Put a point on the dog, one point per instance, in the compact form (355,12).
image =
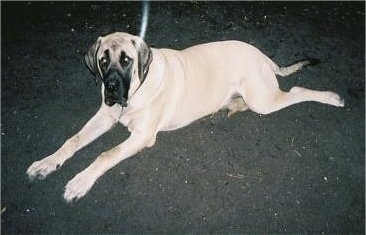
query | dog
(150,90)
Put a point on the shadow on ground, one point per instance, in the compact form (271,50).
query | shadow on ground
(300,170)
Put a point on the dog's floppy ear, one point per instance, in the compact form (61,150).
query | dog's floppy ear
(91,59)
(145,58)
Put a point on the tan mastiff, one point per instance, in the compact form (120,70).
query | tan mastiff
(150,90)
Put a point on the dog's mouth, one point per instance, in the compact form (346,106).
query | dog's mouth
(110,102)
(114,93)
(115,89)
(114,97)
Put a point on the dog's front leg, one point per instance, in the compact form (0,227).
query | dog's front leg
(101,122)
(82,182)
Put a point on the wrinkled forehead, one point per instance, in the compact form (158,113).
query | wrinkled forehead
(116,43)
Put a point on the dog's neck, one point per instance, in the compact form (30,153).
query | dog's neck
(150,88)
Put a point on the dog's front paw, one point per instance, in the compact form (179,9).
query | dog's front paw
(40,169)
(78,186)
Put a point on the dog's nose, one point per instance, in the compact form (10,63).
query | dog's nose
(112,85)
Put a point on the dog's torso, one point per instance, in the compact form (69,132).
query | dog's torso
(189,84)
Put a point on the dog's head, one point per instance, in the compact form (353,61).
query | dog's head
(121,61)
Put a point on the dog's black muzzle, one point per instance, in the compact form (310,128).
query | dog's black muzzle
(115,91)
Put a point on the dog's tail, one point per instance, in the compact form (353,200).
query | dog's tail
(296,66)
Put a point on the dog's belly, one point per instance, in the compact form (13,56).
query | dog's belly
(199,104)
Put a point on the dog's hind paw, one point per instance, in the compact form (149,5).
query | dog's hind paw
(335,99)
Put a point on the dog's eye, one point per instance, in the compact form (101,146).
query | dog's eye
(104,61)
(125,60)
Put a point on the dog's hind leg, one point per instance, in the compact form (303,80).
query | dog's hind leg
(295,95)
(300,94)
(262,94)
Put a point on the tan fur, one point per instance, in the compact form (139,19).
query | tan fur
(180,87)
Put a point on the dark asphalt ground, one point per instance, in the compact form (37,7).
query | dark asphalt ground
(300,170)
